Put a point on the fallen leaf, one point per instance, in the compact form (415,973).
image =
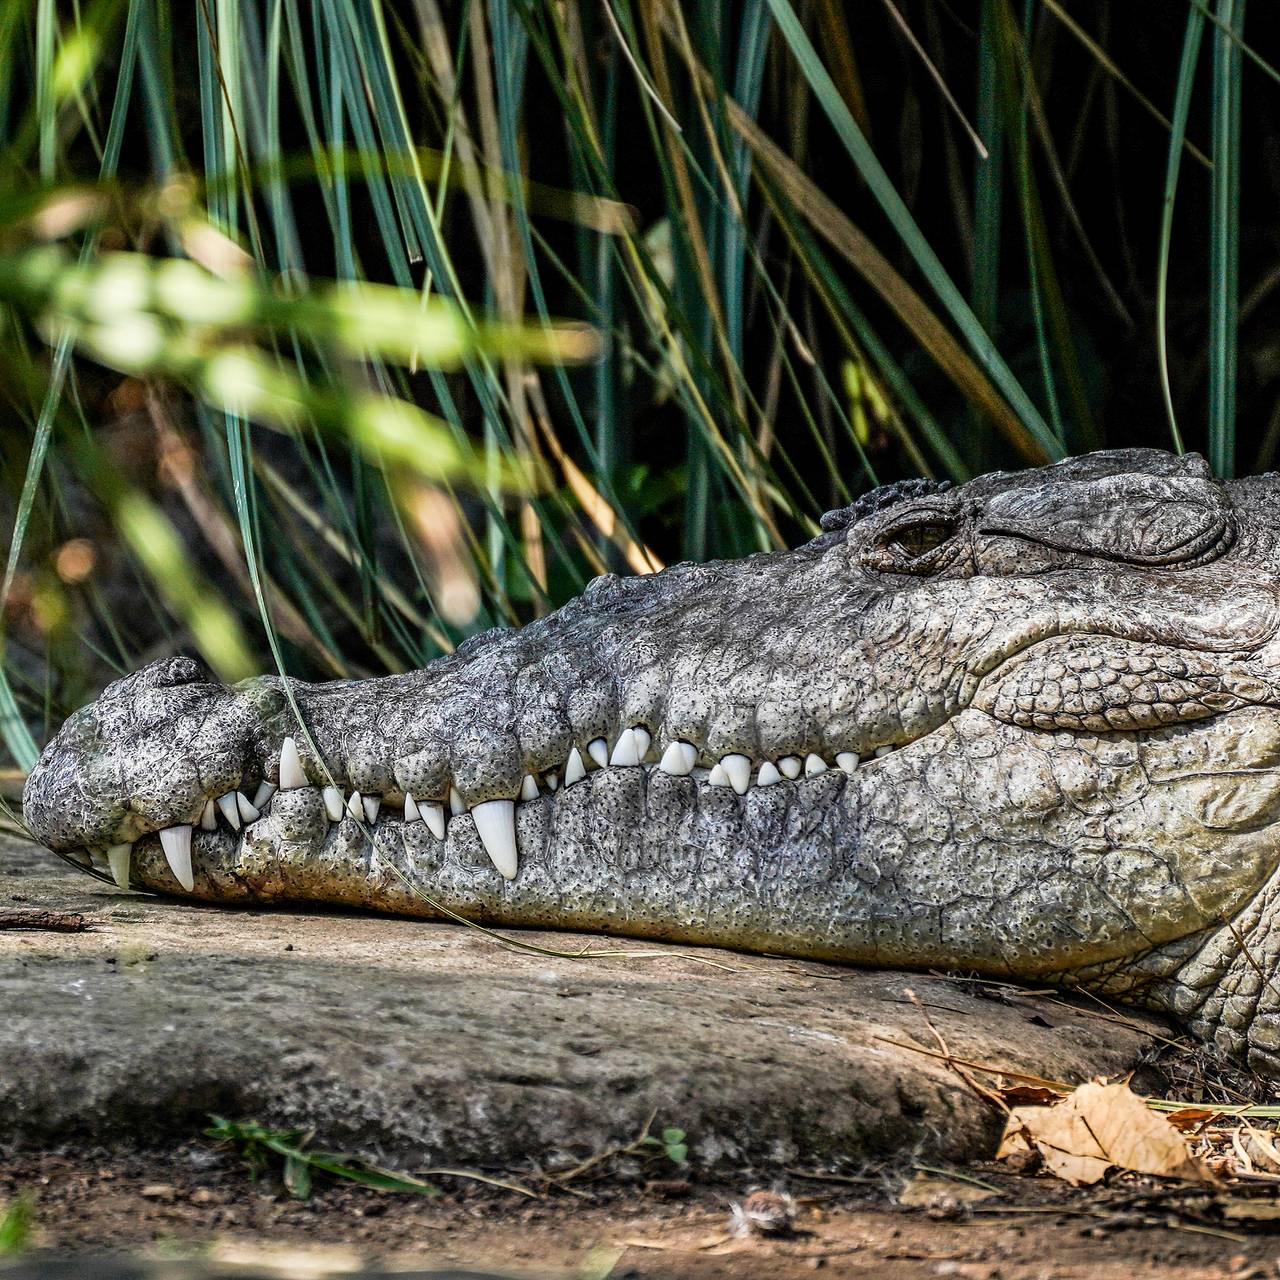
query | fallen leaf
(1261,1149)
(1030,1095)
(1096,1127)
(1187,1118)
(924,1192)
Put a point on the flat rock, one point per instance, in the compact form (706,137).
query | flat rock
(430,1043)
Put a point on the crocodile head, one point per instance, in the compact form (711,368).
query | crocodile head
(1028,726)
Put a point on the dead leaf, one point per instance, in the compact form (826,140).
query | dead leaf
(1098,1126)
(1030,1095)
(924,1192)
(1261,1148)
(1188,1118)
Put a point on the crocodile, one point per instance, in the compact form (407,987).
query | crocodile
(1027,727)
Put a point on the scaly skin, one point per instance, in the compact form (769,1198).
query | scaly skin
(1077,667)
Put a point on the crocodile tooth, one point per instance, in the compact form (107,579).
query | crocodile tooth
(737,768)
(248,812)
(457,805)
(768,774)
(264,793)
(847,760)
(230,810)
(496,822)
(814,765)
(176,843)
(598,750)
(644,739)
(790,766)
(433,816)
(574,769)
(334,805)
(371,806)
(118,856)
(529,787)
(355,808)
(291,775)
(678,759)
(717,777)
(626,751)
(552,780)
(209,816)
(881,752)
(411,811)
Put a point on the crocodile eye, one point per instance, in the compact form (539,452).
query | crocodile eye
(922,543)
(917,540)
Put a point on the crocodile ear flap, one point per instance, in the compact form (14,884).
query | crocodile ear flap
(1134,517)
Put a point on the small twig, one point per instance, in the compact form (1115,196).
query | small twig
(638,1143)
(956,1176)
(480,1177)
(990,1095)
(40,919)
(1248,955)
(850,1178)
(1023,1076)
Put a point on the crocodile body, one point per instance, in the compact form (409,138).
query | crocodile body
(1028,727)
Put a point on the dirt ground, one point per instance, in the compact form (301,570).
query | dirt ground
(194,1212)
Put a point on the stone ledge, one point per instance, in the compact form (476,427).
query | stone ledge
(428,1043)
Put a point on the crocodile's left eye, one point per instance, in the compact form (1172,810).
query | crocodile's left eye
(917,540)
(919,543)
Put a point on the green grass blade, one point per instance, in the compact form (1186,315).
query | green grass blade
(913,238)
(1177,136)
(1224,237)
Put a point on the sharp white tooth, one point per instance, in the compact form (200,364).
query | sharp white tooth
(433,816)
(264,793)
(371,806)
(118,860)
(291,775)
(626,751)
(717,777)
(209,816)
(737,768)
(768,774)
(248,812)
(552,780)
(882,751)
(411,811)
(354,808)
(574,769)
(847,760)
(790,766)
(457,805)
(598,750)
(814,765)
(334,805)
(677,760)
(496,822)
(644,739)
(529,788)
(176,843)
(230,810)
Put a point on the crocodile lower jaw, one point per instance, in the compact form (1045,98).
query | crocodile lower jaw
(495,820)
